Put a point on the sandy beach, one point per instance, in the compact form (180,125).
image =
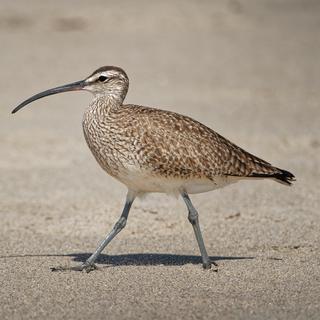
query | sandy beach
(249,70)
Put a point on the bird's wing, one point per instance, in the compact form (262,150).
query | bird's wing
(176,145)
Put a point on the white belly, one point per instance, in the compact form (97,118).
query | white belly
(143,182)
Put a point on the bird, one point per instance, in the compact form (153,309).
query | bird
(153,150)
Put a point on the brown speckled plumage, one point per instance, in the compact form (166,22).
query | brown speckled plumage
(163,143)
(152,150)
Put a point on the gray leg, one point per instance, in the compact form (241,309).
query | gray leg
(194,220)
(88,265)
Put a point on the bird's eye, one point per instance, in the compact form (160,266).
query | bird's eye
(102,78)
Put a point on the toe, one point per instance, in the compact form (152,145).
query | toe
(82,267)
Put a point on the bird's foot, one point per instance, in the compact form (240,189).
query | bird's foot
(208,265)
(82,267)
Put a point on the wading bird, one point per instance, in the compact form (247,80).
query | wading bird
(152,150)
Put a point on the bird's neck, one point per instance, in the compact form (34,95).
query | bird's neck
(103,104)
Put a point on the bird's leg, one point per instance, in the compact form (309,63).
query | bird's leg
(194,220)
(89,265)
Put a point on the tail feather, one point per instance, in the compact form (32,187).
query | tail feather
(285,177)
(281,176)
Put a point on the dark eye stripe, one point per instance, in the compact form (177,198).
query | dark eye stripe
(102,78)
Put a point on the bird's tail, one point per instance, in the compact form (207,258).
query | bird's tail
(284,177)
(279,175)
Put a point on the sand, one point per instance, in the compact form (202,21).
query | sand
(248,69)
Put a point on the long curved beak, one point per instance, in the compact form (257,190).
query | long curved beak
(74,86)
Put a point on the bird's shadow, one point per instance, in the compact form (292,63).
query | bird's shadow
(154,259)
(137,259)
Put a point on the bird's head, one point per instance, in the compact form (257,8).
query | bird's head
(108,81)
